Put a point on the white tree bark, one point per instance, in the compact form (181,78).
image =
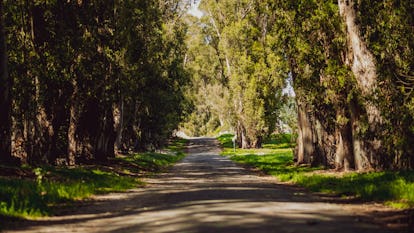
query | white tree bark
(363,65)
(213,22)
(360,59)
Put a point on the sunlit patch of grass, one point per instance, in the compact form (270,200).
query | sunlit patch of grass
(226,140)
(154,162)
(393,188)
(177,145)
(33,198)
(279,141)
(21,198)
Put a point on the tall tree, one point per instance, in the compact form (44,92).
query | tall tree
(335,52)
(102,55)
(239,31)
(363,65)
(5,96)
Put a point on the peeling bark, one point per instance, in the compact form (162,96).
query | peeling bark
(363,66)
(305,150)
(359,58)
(213,22)
(344,157)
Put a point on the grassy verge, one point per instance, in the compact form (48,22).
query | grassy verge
(393,188)
(29,192)
(153,162)
(34,197)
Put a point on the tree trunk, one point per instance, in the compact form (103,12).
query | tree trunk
(299,149)
(305,147)
(344,157)
(245,142)
(242,139)
(324,144)
(305,150)
(362,64)
(105,138)
(258,142)
(88,130)
(73,124)
(361,155)
(5,98)
(44,131)
(118,116)
(213,22)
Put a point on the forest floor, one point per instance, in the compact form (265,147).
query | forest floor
(206,192)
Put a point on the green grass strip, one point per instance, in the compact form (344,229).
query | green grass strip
(37,195)
(394,188)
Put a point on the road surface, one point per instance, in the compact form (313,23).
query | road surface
(206,192)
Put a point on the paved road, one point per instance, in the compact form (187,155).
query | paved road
(207,193)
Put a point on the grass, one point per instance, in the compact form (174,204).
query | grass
(155,162)
(42,189)
(394,188)
(35,197)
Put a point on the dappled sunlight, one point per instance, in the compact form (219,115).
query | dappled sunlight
(248,209)
(208,193)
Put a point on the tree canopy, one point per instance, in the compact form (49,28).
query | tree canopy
(89,76)
(81,80)
(350,63)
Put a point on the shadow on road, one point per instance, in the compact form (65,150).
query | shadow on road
(206,193)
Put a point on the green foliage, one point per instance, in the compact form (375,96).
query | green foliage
(279,141)
(288,115)
(387,28)
(233,53)
(209,97)
(75,63)
(226,140)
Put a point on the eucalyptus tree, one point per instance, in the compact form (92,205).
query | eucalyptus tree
(153,79)
(5,96)
(345,82)
(209,98)
(239,31)
(385,30)
(351,71)
(75,63)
